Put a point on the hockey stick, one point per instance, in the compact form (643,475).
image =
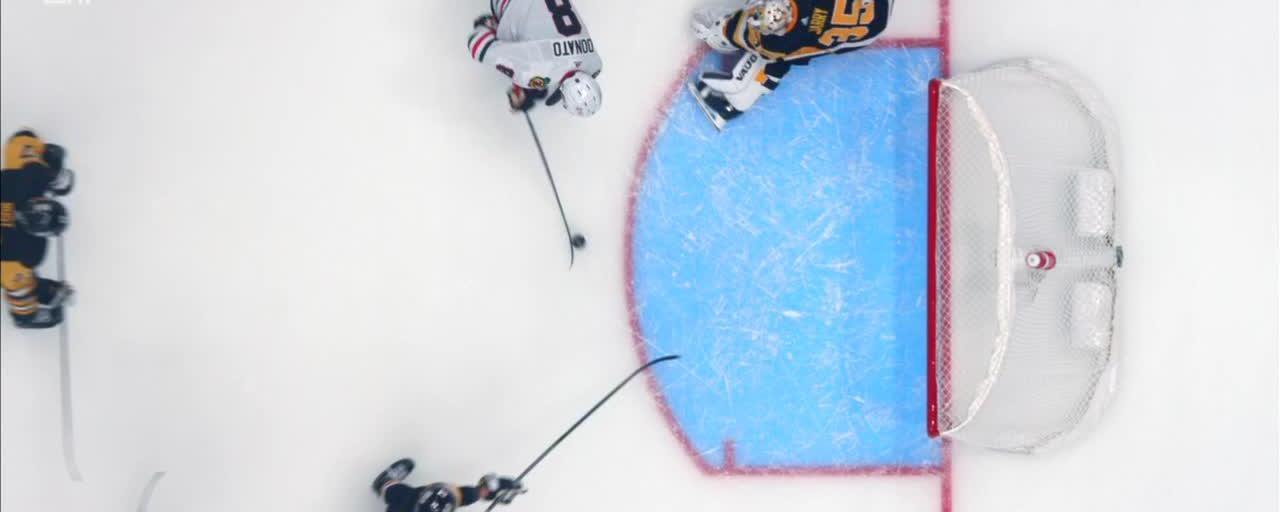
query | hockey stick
(584,417)
(64,363)
(575,241)
(145,500)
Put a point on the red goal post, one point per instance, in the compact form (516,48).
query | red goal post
(1024,255)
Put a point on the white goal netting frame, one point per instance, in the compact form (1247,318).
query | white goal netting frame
(1023,163)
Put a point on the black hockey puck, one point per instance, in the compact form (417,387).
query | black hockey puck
(578,241)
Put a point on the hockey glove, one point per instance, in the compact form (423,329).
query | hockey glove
(487,21)
(501,489)
(520,99)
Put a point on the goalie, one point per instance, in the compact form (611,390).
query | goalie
(775,35)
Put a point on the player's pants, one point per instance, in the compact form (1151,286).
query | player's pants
(20,286)
(432,498)
(402,498)
(774,72)
(30,296)
(437,497)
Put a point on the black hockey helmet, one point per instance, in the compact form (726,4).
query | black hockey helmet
(42,216)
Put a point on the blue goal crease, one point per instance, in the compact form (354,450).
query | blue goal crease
(785,259)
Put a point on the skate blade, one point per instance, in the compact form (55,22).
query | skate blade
(712,116)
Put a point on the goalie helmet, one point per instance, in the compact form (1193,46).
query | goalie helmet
(582,95)
(43,217)
(772,17)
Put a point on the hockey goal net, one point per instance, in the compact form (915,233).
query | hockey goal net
(1023,163)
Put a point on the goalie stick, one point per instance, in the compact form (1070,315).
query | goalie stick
(584,417)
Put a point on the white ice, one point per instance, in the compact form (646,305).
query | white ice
(308,240)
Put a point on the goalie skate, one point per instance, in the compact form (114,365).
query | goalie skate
(704,97)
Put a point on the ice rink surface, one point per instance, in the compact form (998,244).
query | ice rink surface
(308,239)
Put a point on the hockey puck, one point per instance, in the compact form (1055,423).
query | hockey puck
(578,241)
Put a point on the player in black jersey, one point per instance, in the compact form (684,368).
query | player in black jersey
(32,173)
(439,497)
(775,35)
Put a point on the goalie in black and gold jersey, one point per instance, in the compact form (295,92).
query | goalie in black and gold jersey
(775,35)
(32,173)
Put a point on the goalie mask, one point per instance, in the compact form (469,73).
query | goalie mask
(772,17)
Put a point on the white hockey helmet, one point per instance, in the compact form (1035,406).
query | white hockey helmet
(582,94)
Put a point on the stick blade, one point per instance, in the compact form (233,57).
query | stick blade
(658,361)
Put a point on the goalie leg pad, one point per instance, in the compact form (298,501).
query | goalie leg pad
(722,83)
(713,104)
(724,97)
(742,95)
(746,98)
(748,68)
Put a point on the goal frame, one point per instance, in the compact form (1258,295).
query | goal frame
(940,249)
(938,230)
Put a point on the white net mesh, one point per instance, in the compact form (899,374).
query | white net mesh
(1025,255)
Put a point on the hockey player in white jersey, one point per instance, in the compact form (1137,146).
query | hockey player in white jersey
(546,50)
